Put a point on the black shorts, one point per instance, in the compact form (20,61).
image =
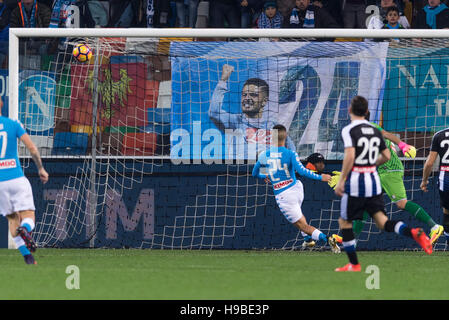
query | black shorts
(444,199)
(352,208)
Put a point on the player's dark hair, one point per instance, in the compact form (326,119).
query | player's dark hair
(393,8)
(315,158)
(281,132)
(262,84)
(367,115)
(359,106)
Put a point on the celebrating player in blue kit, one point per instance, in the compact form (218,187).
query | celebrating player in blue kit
(279,165)
(16,196)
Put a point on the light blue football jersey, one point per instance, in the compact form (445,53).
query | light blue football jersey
(10,131)
(279,165)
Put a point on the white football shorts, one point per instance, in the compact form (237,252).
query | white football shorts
(290,201)
(16,195)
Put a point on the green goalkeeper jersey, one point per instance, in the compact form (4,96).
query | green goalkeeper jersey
(394,164)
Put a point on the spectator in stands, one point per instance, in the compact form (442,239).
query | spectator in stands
(224,10)
(435,15)
(250,11)
(379,21)
(392,22)
(308,15)
(4,31)
(184,19)
(354,15)
(157,13)
(270,18)
(30,14)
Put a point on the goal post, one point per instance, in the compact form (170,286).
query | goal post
(197,191)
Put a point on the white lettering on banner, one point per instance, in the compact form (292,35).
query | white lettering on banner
(8,164)
(410,75)
(444,168)
(439,107)
(282,184)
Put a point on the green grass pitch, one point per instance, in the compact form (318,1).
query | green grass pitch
(221,275)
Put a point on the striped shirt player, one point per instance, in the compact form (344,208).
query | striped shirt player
(16,195)
(279,165)
(363,181)
(359,184)
(439,147)
(391,175)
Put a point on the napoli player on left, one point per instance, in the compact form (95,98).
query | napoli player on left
(279,165)
(16,195)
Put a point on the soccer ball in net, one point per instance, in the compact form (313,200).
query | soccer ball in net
(82,52)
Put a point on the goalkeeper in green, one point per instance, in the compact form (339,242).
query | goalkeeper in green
(391,176)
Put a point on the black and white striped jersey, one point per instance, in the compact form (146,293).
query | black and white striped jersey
(363,181)
(440,144)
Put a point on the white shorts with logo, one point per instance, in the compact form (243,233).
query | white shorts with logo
(15,195)
(290,201)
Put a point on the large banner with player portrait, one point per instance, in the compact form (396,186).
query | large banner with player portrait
(227,96)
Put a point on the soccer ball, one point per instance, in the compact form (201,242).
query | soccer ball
(82,52)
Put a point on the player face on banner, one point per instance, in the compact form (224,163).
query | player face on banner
(238,99)
(254,99)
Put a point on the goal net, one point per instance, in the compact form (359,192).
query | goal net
(152,142)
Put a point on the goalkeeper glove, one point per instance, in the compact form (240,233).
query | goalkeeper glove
(408,150)
(334,180)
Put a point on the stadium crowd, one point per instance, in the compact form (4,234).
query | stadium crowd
(228,13)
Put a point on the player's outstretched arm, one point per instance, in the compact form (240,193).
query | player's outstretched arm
(256,172)
(427,170)
(408,150)
(43,175)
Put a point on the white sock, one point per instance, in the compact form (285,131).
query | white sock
(316,234)
(29,222)
(18,241)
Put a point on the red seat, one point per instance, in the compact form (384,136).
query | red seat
(139,144)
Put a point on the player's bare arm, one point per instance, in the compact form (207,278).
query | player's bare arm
(348,162)
(326,177)
(428,169)
(43,175)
